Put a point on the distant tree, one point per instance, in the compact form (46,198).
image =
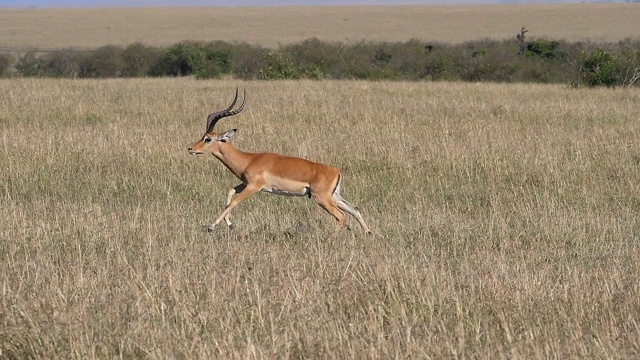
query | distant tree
(628,62)
(522,44)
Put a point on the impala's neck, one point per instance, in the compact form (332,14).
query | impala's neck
(235,160)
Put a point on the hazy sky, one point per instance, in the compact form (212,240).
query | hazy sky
(133,3)
(100,3)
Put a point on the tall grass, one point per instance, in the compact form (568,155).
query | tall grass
(505,220)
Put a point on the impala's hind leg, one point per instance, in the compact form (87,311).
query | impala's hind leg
(351,210)
(342,204)
(328,204)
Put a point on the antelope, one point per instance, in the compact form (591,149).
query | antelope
(272,173)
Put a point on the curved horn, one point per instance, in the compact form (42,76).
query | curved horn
(213,118)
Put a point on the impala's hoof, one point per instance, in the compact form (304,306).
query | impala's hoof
(231,226)
(210,229)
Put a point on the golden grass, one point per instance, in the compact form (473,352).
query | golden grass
(506,221)
(271,26)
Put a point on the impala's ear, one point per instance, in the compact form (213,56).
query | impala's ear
(227,135)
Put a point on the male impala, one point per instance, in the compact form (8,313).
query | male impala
(273,173)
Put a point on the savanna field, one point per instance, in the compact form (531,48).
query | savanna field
(505,221)
(505,216)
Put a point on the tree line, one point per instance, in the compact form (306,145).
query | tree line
(510,60)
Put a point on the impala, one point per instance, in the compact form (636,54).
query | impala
(273,173)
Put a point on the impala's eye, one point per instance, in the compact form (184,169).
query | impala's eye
(207,140)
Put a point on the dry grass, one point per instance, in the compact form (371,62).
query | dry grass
(270,26)
(506,221)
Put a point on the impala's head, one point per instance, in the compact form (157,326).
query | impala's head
(210,141)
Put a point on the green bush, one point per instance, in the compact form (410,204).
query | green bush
(246,61)
(178,60)
(313,58)
(31,65)
(544,49)
(408,60)
(62,63)
(216,60)
(204,61)
(359,62)
(6,61)
(104,62)
(440,63)
(598,69)
(279,66)
(139,59)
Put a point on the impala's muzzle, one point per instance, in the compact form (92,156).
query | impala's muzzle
(194,152)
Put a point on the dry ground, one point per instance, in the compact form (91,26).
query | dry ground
(271,26)
(506,221)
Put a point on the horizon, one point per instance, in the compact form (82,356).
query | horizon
(258,3)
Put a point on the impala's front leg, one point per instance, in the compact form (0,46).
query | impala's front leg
(233,191)
(246,192)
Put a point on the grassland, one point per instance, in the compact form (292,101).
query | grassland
(270,26)
(505,219)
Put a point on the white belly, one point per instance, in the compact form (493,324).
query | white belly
(302,192)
